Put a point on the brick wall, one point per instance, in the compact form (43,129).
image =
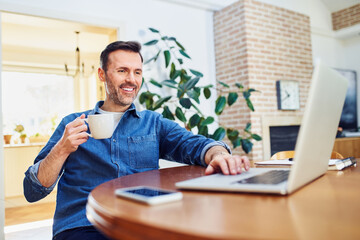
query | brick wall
(346,17)
(257,44)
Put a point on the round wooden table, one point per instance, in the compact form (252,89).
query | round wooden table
(328,208)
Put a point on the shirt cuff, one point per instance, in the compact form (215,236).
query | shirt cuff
(33,172)
(210,145)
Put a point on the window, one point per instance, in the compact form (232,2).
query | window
(37,101)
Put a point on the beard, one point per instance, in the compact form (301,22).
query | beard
(115,95)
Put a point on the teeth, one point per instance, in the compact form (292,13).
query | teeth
(128,89)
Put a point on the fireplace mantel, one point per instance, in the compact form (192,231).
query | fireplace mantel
(268,122)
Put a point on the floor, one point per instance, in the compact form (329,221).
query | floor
(30,222)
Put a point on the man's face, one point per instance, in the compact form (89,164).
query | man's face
(123,78)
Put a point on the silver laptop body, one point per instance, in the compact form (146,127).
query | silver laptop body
(313,146)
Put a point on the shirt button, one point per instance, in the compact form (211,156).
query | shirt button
(114,140)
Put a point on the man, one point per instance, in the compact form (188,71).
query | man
(79,163)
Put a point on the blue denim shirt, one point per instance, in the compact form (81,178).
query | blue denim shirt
(138,142)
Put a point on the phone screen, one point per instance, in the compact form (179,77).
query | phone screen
(148,192)
(149,195)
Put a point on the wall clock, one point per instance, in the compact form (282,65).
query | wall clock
(287,94)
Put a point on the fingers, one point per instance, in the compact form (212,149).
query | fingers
(228,164)
(75,134)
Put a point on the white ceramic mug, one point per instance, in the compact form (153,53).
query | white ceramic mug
(101,125)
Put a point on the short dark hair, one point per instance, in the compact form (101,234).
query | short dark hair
(131,46)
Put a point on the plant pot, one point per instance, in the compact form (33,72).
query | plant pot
(22,139)
(7,139)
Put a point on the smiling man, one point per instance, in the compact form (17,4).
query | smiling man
(79,163)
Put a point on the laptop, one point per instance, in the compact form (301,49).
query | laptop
(313,146)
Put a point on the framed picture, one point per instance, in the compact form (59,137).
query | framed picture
(348,120)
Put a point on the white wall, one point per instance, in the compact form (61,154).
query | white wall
(336,52)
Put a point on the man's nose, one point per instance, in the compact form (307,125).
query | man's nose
(130,77)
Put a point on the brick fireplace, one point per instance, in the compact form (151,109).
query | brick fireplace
(257,44)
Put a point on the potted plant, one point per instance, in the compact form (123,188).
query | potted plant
(184,106)
(7,138)
(20,129)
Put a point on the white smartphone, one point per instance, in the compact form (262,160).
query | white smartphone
(149,195)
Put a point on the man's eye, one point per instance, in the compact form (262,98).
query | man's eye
(121,70)
(138,73)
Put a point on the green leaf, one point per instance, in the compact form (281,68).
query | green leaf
(196,73)
(236,142)
(219,134)
(152,42)
(179,45)
(160,102)
(180,92)
(167,56)
(248,128)
(191,83)
(232,97)
(220,105)
(145,95)
(180,61)
(194,120)
(167,113)
(175,74)
(256,137)
(249,104)
(204,130)
(182,52)
(153,30)
(232,134)
(207,93)
(197,90)
(149,60)
(180,115)
(169,83)
(248,92)
(251,90)
(193,95)
(142,82)
(172,71)
(185,102)
(184,77)
(239,85)
(207,121)
(153,58)
(142,97)
(156,83)
(224,84)
(246,145)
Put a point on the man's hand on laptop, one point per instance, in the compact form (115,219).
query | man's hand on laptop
(219,160)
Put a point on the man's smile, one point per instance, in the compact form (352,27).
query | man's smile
(127,88)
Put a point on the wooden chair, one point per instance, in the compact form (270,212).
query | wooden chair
(290,154)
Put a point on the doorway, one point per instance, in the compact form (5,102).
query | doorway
(41,54)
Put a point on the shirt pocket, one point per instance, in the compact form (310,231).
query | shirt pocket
(144,151)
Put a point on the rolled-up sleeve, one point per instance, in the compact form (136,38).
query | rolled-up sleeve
(33,190)
(210,145)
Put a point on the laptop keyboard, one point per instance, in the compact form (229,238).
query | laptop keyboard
(270,177)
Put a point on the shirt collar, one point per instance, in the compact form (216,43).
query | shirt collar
(131,109)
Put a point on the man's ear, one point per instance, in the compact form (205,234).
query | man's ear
(101,74)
